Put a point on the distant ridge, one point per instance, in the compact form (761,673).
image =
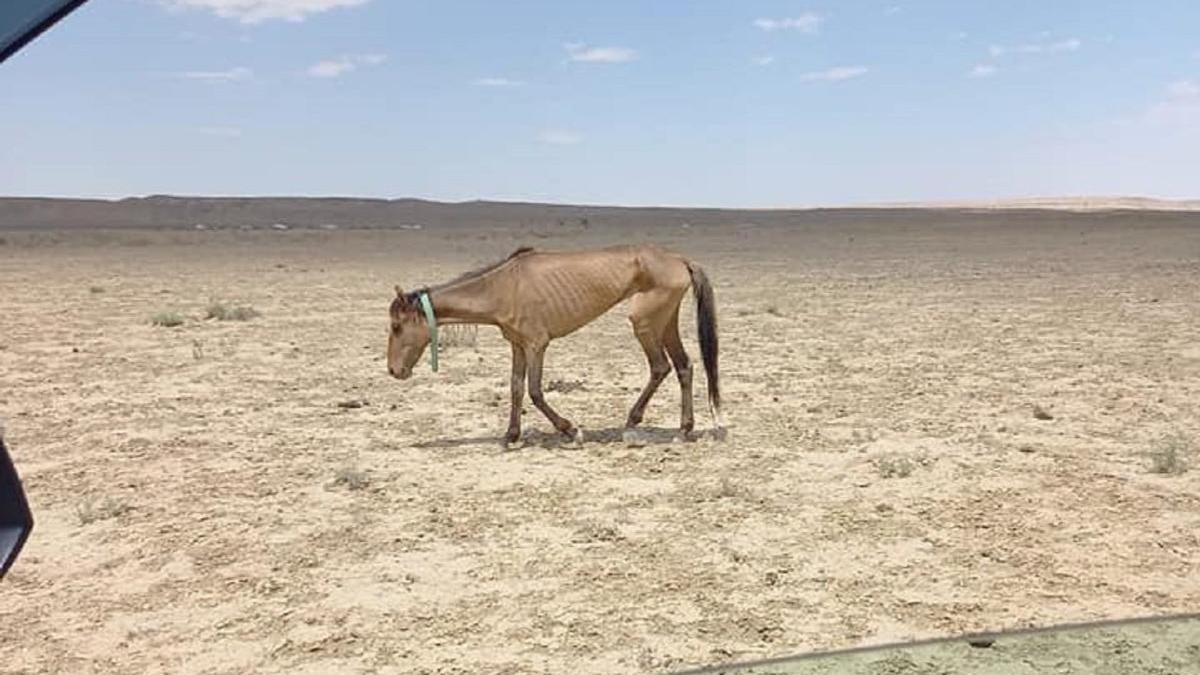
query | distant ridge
(1094,203)
(186,212)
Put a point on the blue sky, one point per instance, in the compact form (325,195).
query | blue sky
(704,103)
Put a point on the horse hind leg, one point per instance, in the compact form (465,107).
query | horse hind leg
(683,371)
(648,327)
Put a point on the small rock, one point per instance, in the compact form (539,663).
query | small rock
(352,403)
(1041,413)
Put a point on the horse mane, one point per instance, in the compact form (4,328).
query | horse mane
(410,302)
(473,274)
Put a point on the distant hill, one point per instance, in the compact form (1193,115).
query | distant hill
(1095,203)
(170,212)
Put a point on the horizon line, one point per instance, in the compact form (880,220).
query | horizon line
(1058,202)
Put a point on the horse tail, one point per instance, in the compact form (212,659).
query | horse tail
(706,328)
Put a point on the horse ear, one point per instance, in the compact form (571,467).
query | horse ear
(399,293)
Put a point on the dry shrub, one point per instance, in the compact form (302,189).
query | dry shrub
(894,466)
(167,319)
(459,335)
(223,312)
(564,386)
(1171,455)
(351,477)
(92,510)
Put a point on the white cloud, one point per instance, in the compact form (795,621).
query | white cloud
(257,11)
(235,74)
(1068,45)
(808,22)
(764,60)
(834,74)
(1183,89)
(983,70)
(344,64)
(560,137)
(331,67)
(577,51)
(221,132)
(1181,107)
(497,82)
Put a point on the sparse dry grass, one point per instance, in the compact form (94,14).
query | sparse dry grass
(564,386)
(592,532)
(167,319)
(455,336)
(93,510)
(223,312)
(1171,455)
(351,477)
(895,466)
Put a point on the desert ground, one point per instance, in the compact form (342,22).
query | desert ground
(935,427)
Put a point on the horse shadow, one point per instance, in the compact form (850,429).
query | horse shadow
(537,438)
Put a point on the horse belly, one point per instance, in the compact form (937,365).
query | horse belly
(586,298)
(568,323)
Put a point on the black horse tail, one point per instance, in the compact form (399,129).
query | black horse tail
(706,327)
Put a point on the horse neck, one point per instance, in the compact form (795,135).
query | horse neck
(467,301)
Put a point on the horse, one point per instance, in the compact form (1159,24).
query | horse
(535,296)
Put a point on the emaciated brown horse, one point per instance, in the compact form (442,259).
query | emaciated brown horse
(537,296)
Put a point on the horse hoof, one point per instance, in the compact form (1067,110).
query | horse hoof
(632,438)
(513,444)
(720,434)
(682,437)
(576,438)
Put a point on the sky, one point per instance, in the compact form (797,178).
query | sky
(689,103)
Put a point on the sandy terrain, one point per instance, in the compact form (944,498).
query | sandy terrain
(204,505)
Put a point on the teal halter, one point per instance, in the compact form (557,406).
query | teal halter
(427,307)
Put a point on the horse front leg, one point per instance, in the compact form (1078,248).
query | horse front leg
(517,395)
(535,357)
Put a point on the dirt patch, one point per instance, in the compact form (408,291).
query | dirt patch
(884,477)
